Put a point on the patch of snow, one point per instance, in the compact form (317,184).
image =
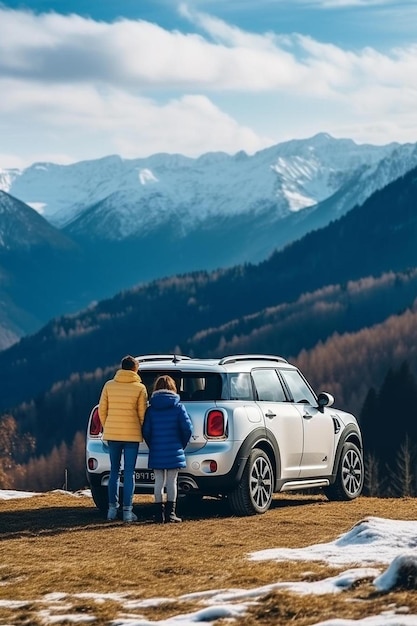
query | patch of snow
(297,201)
(39,207)
(373,540)
(13,604)
(147,176)
(12,494)
(80,493)
(384,619)
(73,618)
(388,579)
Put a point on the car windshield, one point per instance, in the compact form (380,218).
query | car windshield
(298,387)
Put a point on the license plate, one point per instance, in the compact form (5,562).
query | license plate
(144,476)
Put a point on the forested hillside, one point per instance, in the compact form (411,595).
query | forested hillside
(372,372)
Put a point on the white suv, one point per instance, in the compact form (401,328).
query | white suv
(259,428)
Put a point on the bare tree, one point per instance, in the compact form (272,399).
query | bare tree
(372,485)
(403,478)
(13,447)
(76,462)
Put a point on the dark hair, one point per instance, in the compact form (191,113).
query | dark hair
(129,363)
(165,382)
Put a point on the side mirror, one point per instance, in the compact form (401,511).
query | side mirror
(324,399)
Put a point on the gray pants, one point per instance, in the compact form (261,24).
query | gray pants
(165,478)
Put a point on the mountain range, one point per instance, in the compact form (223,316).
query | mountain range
(142,194)
(72,235)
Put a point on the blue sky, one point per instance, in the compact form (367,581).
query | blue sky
(81,80)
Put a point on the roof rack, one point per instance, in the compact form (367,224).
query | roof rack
(143,358)
(251,357)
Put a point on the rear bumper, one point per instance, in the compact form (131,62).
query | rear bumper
(229,456)
(187,483)
(195,478)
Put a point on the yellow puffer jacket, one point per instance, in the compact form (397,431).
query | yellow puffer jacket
(122,407)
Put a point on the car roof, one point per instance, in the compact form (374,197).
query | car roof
(233,363)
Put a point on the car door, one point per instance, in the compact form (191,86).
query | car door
(317,425)
(283,421)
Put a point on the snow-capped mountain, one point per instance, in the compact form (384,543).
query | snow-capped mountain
(74,234)
(114,198)
(39,269)
(22,228)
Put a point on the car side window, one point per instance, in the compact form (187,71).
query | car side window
(268,385)
(240,387)
(298,387)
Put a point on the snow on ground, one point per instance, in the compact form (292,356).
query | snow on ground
(10,494)
(373,540)
(379,548)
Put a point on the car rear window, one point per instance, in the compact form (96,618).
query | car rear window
(191,386)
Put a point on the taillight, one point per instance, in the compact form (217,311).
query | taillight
(92,464)
(215,424)
(95,424)
(213,466)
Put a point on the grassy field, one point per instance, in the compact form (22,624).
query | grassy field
(57,543)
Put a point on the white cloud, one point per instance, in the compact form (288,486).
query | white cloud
(341,4)
(115,121)
(137,56)
(75,88)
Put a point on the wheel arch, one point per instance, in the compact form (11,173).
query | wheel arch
(267,447)
(350,435)
(265,442)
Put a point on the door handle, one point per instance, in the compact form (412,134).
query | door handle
(270,414)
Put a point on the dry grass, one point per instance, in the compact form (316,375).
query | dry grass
(58,543)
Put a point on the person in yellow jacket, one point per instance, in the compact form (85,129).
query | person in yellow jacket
(122,407)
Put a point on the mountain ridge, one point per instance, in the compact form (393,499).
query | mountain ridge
(296,174)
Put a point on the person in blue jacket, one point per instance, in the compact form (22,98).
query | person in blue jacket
(167,429)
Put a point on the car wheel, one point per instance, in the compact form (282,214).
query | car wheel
(253,495)
(101,498)
(350,475)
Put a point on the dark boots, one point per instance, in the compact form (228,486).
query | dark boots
(166,513)
(170,515)
(160,512)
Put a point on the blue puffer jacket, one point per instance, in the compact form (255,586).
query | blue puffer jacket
(167,430)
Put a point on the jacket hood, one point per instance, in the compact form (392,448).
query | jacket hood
(127,376)
(164,399)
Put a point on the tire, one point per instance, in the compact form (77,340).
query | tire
(254,493)
(350,475)
(101,498)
